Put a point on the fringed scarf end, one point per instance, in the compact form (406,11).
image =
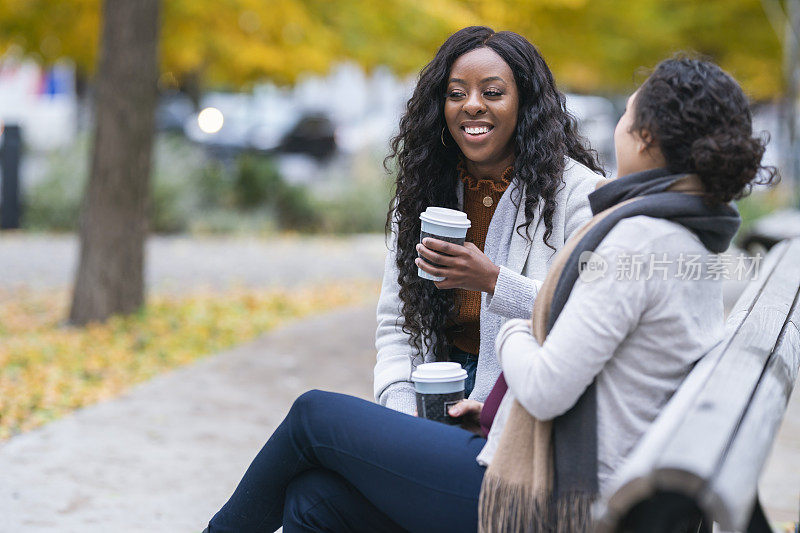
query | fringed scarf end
(505,507)
(574,513)
(514,508)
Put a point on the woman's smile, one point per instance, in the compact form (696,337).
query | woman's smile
(476,131)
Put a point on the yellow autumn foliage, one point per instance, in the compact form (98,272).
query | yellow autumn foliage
(591,46)
(48,369)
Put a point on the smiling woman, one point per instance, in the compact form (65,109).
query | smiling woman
(487,132)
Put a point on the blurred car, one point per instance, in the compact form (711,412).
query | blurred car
(314,134)
(228,123)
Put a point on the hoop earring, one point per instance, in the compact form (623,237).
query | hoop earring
(442,137)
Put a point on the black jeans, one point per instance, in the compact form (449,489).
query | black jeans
(339,463)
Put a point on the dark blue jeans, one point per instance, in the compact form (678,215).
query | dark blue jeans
(339,463)
(469,362)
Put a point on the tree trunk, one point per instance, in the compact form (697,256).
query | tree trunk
(113,226)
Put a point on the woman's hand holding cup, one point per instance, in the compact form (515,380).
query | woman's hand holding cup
(463,267)
(469,412)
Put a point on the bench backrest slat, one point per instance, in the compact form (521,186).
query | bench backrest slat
(731,493)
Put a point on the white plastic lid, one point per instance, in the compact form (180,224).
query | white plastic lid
(438,373)
(446,217)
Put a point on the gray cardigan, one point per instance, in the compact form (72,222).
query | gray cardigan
(523,264)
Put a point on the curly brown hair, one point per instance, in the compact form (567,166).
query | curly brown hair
(700,119)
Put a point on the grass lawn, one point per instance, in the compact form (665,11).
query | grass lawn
(48,369)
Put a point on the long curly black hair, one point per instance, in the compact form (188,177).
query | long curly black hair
(701,121)
(426,158)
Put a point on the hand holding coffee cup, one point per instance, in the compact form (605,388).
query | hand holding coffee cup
(439,386)
(443,224)
(446,259)
(468,413)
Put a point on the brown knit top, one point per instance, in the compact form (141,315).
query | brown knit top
(480,201)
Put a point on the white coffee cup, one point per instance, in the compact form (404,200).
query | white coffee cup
(444,224)
(438,386)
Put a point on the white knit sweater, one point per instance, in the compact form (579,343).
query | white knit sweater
(523,264)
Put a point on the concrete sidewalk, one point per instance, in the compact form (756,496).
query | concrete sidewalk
(181,264)
(165,456)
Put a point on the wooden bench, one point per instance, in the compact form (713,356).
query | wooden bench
(703,455)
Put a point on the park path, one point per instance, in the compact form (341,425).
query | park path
(167,454)
(185,264)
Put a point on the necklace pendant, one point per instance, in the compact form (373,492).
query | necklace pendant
(487,201)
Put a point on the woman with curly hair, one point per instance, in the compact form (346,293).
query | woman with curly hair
(486,131)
